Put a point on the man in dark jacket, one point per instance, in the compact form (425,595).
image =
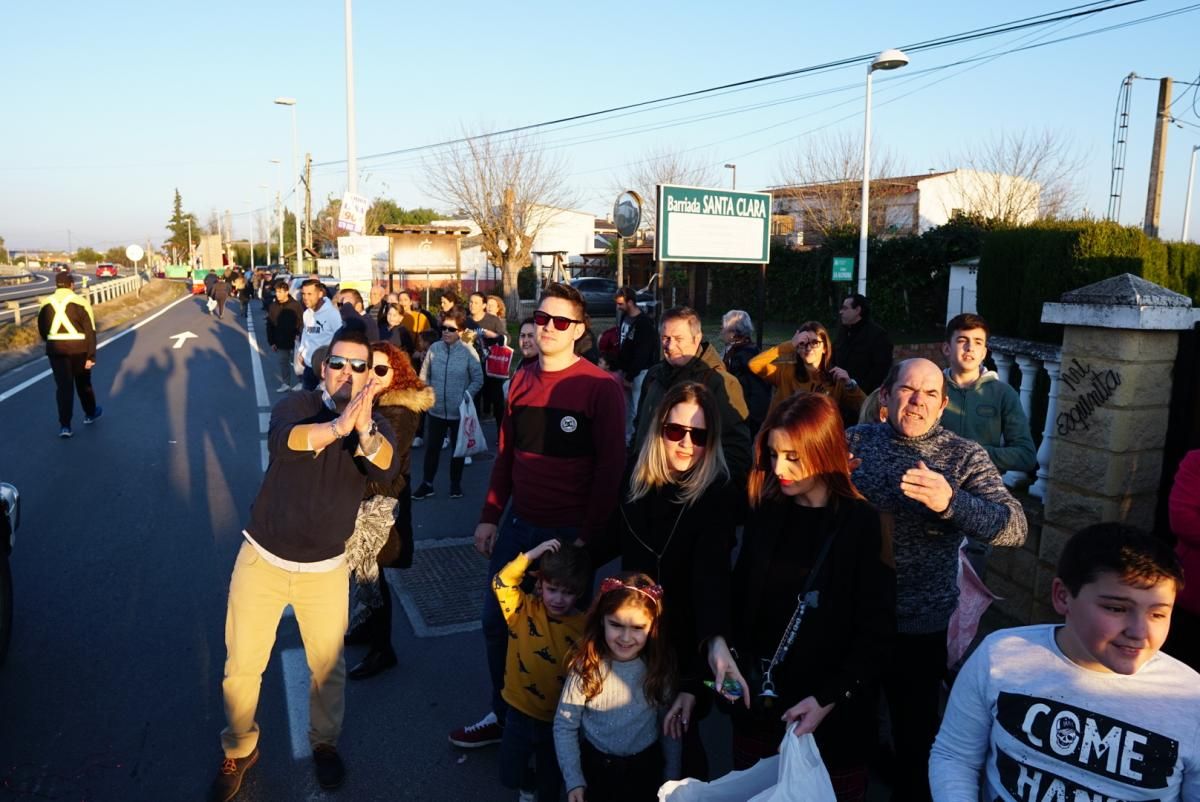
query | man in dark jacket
(354,312)
(638,351)
(687,358)
(862,348)
(66,324)
(324,446)
(285,320)
(220,294)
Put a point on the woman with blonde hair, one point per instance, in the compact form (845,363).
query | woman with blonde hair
(676,523)
(805,364)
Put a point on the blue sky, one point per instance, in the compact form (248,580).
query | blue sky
(108,111)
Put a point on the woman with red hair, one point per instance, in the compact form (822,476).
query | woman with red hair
(813,599)
(402,403)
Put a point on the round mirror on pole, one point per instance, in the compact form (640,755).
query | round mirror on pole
(627,213)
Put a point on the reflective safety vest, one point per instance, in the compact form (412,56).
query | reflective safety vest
(61,327)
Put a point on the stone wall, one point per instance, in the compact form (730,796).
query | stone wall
(1021,576)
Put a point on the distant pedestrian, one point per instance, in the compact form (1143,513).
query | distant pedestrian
(394,331)
(321,320)
(862,347)
(220,294)
(68,326)
(285,322)
(324,445)
(637,351)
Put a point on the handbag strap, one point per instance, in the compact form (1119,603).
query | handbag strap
(793,627)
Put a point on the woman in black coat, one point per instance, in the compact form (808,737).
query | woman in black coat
(805,513)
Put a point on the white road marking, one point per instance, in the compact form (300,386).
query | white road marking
(264,455)
(264,422)
(180,338)
(32,380)
(260,385)
(296,680)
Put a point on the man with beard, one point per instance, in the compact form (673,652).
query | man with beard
(324,446)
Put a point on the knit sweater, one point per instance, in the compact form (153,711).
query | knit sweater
(617,721)
(925,543)
(538,643)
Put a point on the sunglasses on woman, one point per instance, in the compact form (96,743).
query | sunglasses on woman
(381,370)
(675,432)
(340,362)
(540,319)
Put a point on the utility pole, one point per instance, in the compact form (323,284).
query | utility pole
(308,201)
(189,253)
(279,209)
(1158,158)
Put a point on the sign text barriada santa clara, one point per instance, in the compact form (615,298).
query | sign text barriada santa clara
(698,224)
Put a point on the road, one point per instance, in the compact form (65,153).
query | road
(27,294)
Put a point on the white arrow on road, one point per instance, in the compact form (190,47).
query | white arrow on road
(180,338)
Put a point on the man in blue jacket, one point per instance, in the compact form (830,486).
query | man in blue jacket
(324,446)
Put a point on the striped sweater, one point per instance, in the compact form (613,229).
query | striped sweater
(925,543)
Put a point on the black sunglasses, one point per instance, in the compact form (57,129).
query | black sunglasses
(540,319)
(340,362)
(675,432)
(381,370)
(450,328)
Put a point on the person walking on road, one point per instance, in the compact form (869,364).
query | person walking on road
(220,294)
(324,446)
(454,373)
(285,321)
(321,320)
(66,323)
(638,351)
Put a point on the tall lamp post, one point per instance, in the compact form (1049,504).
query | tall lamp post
(1187,206)
(734,168)
(267,231)
(351,151)
(887,60)
(291,101)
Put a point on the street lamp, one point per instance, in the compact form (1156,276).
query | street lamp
(887,60)
(278,206)
(291,101)
(267,231)
(1187,206)
(734,168)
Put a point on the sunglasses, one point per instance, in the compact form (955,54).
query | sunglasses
(382,370)
(808,345)
(340,362)
(675,432)
(540,319)
(452,329)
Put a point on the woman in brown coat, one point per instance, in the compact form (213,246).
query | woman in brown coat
(402,403)
(804,363)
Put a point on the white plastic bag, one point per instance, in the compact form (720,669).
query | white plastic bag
(796,774)
(470,435)
(802,774)
(736,786)
(212,304)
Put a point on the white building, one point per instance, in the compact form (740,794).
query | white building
(567,230)
(910,204)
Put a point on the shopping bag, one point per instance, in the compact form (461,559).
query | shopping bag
(499,358)
(802,774)
(736,786)
(212,304)
(973,600)
(470,435)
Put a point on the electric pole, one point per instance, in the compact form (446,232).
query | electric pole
(308,201)
(1158,158)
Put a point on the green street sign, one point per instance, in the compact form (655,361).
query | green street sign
(843,268)
(712,225)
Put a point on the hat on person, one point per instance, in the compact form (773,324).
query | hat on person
(64,280)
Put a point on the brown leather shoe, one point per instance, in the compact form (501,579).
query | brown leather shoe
(229,779)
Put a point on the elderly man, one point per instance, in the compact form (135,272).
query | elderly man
(932,489)
(687,358)
(324,446)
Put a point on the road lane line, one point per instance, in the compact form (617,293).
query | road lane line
(296,680)
(264,422)
(32,380)
(264,455)
(260,385)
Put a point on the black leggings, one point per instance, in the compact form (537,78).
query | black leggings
(610,778)
(438,428)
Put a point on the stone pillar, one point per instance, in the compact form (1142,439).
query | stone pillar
(1109,408)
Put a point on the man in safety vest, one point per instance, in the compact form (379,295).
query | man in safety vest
(66,323)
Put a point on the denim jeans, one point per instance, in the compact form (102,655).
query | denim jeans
(525,737)
(515,536)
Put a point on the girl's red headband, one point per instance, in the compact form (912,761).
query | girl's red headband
(655,592)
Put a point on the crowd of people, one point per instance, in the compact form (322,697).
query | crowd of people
(788,528)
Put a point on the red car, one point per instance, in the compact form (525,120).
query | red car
(106,269)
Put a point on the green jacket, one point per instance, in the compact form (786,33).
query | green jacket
(705,368)
(989,412)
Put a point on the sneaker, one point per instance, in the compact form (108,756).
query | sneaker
(526,796)
(94,416)
(466,461)
(456,492)
(330,771)
(422,492)
(298,386)
(64,432)
(485,732)
(418,442)
(283,388)
(445,442)
(229,778)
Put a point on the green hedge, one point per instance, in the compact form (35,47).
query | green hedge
(1022,268)
(908,279)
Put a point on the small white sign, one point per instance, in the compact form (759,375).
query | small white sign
(362,261)
(353,215)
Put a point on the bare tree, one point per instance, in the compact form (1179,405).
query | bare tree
(821,182)
(510,188)
(1019,177)
(664,165)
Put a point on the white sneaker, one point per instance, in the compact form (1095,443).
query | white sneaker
(526,796)
(298,386)
(445,442)
(283,388)
(418,442)
(467,461)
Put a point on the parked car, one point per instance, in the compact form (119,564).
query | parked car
(10,517)
(599,295)
(60,267)
(106,269)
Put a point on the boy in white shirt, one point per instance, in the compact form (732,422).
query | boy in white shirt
(1085,711)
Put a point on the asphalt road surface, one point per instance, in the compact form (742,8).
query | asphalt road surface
(111,689)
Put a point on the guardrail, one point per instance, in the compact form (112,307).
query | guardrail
(96,294)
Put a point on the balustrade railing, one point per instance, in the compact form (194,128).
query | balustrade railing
(1030,357)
